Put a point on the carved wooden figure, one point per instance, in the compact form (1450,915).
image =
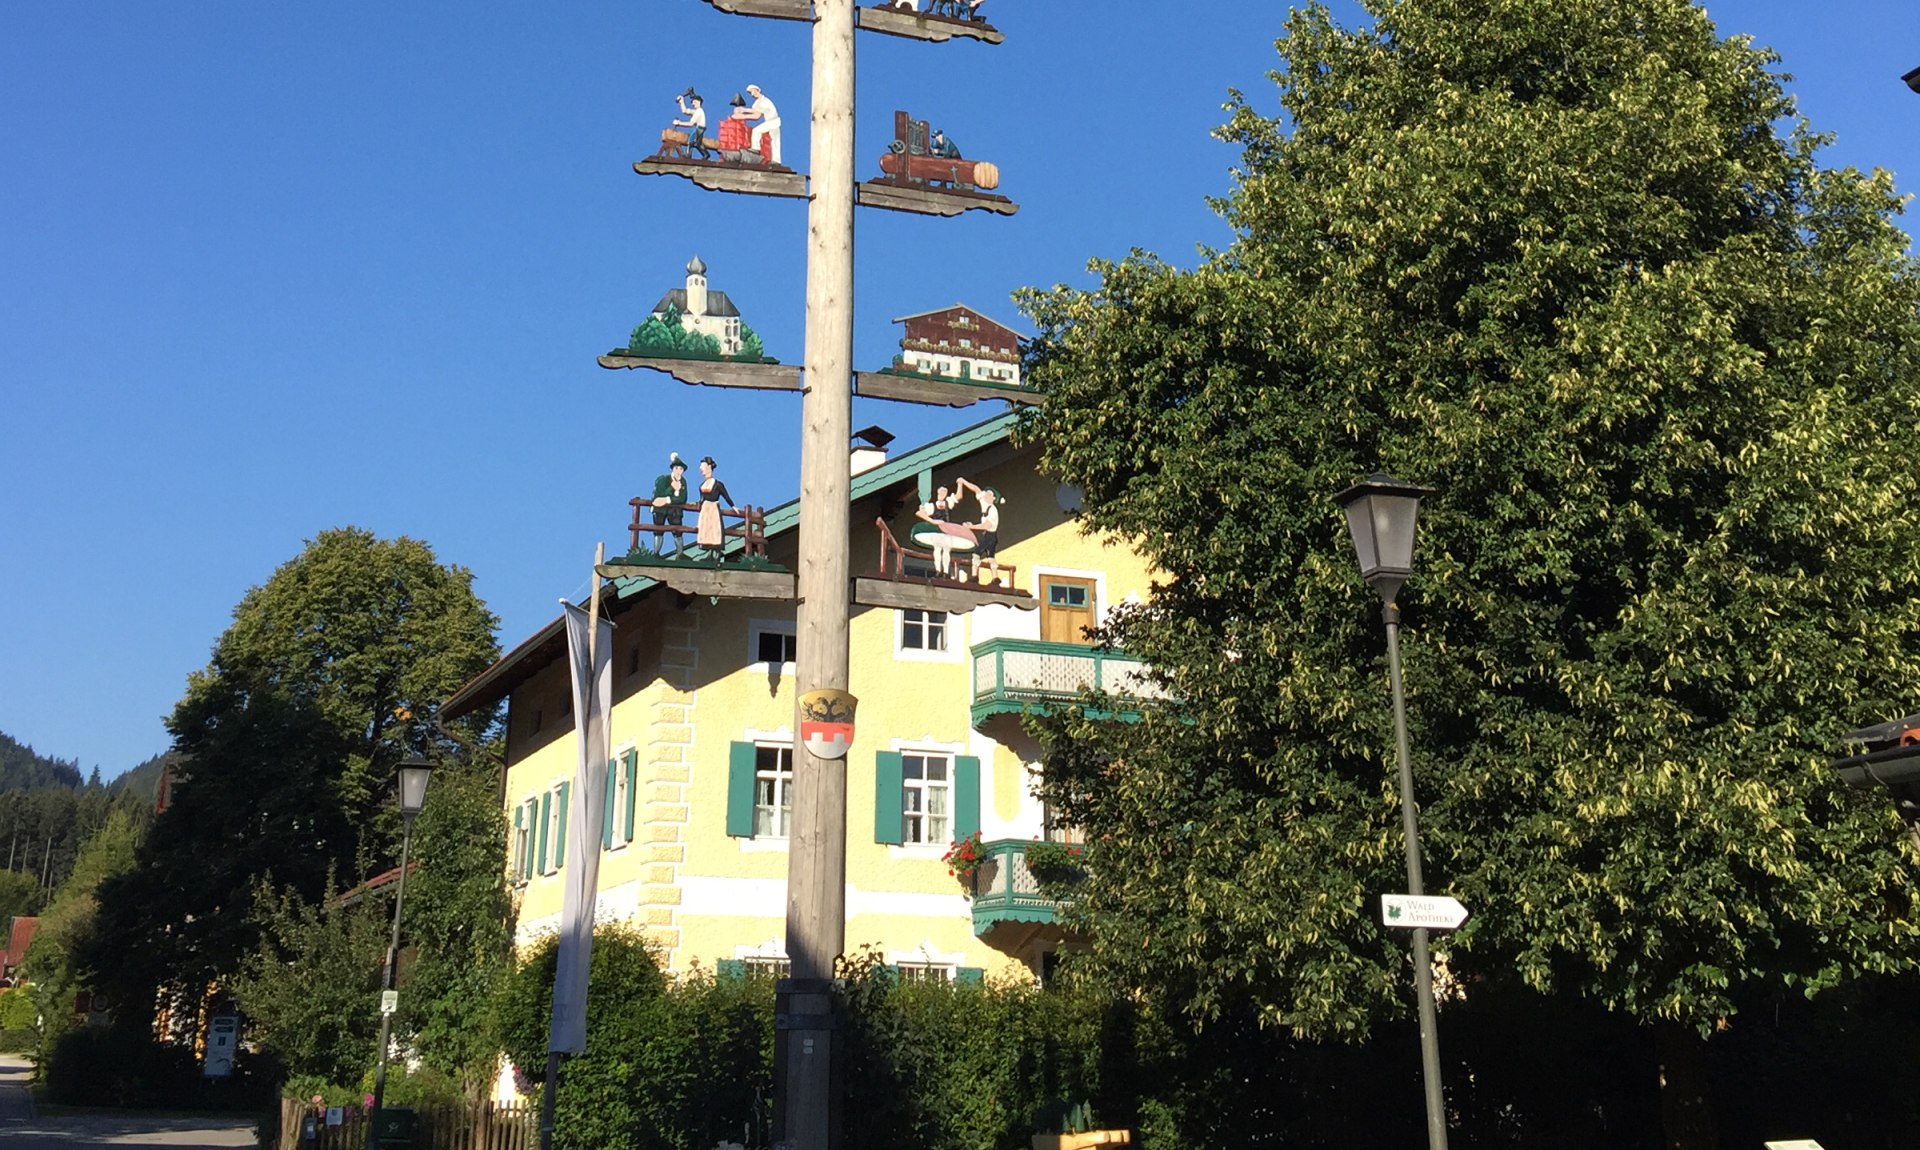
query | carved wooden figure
(951,356)
(697,335)
(732,149)
(930,19)
(923,171)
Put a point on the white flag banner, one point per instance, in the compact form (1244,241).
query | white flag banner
(586,807)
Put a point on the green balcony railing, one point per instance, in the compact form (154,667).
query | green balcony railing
(1004,890)
(1014,675)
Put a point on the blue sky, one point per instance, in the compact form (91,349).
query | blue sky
(267,269)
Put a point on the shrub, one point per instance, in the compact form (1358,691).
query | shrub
(17,1009)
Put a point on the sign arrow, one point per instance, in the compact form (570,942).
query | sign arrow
(1435,912)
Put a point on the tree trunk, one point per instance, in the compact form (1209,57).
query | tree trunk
(1686,1100)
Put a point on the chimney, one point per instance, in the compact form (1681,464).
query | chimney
(869,448)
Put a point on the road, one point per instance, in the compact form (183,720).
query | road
(22,1129)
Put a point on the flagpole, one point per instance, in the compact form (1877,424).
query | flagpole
(550,1086)
(593,605)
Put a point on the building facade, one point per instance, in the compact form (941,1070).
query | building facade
(959,343)
(694,851)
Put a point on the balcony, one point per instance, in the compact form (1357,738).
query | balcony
(1011,676)
(1007,902)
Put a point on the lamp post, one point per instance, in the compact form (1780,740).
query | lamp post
(1913,79)
(414,773)
(1381,513)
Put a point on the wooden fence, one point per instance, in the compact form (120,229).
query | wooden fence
(478,1126)
(752,529)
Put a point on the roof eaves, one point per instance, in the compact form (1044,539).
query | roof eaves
(962,307)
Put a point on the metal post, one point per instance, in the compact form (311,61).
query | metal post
(817,855)
(1422,961)
(387,981)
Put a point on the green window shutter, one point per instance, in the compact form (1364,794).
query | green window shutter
(606,811)
(889,780)
(560,848)
(533,837)
(893,973)
(740,790)
(546,815)
(970,975)
(633,773)
(966,797)
(731,967)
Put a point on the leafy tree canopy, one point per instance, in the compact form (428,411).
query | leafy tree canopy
(328,677)
(1576,266)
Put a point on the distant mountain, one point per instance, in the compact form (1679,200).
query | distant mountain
(141,780)
(23,768)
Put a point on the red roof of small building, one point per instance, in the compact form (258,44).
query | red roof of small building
(19,937)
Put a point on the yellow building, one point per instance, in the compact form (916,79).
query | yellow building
(694,850)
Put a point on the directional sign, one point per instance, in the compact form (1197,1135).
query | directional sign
(390,999)
(1430,911)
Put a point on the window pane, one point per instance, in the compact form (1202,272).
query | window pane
(912,766)
(774,647)
(937,769)
(936,800)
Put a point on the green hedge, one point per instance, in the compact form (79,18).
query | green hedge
(933,1065)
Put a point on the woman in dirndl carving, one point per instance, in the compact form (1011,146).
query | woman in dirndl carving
(707,530)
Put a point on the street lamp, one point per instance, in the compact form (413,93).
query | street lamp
(1891,762)
(1913,79)
(414,773)
(1381,513)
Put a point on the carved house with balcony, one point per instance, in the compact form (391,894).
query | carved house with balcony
(694,849)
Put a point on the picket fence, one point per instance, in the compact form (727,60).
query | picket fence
(478,1126)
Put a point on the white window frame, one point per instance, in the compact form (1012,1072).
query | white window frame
(762,966)
(920,970)
(553,827)
(622,834)
(759,627)
(953,633)
(780,789)
(926,788)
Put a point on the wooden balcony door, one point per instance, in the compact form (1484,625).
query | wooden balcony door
(1066,608)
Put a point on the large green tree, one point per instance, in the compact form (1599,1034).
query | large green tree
(1577,266)
(328,677)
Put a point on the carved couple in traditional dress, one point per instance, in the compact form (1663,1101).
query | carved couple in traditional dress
(670,497)
(938,532)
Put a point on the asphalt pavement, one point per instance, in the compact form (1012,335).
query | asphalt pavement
(21,1128)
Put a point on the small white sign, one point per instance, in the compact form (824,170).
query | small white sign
(223,1033)
(1796,1144)
(1435,912)
(389,1001)
(336,1116)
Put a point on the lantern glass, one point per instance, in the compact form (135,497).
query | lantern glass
(1382,513)
(414,774)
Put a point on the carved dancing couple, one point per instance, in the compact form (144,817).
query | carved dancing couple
(761,112)
(670,498)
(937,532)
